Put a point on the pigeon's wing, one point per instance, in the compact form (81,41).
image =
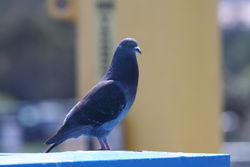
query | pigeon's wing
(103,103)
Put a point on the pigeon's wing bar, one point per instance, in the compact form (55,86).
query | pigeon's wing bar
(103,103)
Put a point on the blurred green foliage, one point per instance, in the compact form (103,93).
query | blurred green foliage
(36,52)
(236,51)
(236,59)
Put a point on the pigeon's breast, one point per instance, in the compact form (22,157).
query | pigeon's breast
(130,92)
(108,126)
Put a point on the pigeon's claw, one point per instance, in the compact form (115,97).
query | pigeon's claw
(104,144)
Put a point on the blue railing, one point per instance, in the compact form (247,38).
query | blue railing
(114,159)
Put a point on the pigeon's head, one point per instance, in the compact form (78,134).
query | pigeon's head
(130,45)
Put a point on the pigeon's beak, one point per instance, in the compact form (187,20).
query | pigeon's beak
(137,49)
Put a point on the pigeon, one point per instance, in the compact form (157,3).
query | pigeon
(107,103)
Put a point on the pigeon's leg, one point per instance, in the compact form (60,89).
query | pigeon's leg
(106,143)
(103,146)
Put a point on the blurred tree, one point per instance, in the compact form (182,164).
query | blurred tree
(236,52)
(36,52)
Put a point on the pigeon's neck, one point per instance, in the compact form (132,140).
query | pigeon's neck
(123,68)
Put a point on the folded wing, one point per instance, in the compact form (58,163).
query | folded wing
(102,104)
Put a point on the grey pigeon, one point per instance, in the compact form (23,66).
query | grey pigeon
(107,103)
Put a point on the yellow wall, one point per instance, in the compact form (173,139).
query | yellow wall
(179,98)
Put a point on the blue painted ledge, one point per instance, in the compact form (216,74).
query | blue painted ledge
(114,159)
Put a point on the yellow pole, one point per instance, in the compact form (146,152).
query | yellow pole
(87,71)
(179,97)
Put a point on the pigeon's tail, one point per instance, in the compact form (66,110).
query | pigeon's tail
(64,133)
(50,148)
(53,142)
(57,139)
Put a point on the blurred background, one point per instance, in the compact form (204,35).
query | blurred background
(194,89)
